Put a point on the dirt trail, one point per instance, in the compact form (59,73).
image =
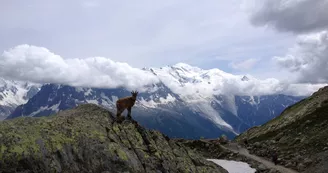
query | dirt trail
(243,151)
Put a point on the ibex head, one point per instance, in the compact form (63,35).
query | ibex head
(134,93)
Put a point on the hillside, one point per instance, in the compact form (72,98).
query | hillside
(299,134)
(86,139)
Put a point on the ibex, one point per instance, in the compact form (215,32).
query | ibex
(126,103)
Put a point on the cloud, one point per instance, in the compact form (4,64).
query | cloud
(194,83)
(39,65)
(142,33)
(270,86)
(308,58)
(303,89)
(297,16)
(245,65)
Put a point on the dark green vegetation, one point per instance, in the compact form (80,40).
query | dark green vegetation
(88,139)
(299,134)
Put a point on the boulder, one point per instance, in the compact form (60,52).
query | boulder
(223,139)
(300,167)
(262,167)
(307,161)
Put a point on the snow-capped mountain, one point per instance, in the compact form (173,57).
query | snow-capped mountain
(14,93)
(188,101)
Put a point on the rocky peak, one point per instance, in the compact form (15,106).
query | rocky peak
(245,78)
(87,138)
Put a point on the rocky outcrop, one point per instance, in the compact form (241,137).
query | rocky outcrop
(88,139)
(299,135)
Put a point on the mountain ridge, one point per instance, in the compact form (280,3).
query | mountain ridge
(176,113)
(197,98)
(298,135)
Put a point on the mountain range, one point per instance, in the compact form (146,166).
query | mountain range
(88,138)
(188,102)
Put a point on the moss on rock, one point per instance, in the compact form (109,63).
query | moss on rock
(87,138)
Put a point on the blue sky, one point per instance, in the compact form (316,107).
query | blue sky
(237,36)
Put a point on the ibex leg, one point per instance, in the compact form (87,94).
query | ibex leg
(129,112)
(119,110)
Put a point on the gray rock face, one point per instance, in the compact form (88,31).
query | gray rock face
(14,93)
(88,139)
(5,111)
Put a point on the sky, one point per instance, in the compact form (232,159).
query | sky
(282,39)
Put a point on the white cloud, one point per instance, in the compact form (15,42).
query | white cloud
(141,33)
(297,16)
(303,89)
(266,87)
(38,64)
(195,83)
(245,65)
(308,58)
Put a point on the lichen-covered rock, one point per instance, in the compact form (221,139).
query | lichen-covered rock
(224,139)
(88,139)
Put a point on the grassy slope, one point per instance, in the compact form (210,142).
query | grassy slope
(300,131)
